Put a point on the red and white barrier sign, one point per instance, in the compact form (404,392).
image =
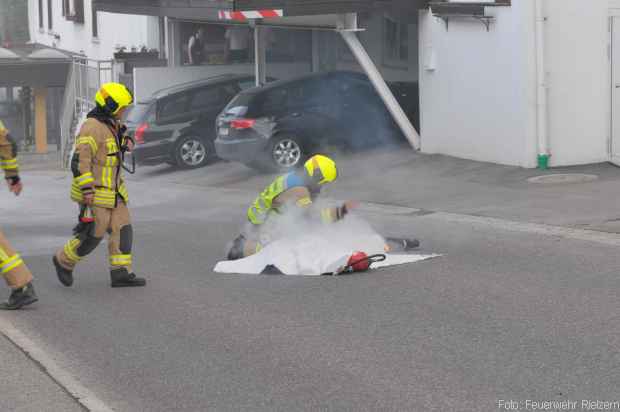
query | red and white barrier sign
(245,15)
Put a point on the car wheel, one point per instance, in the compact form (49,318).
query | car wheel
(192,152)
(286,152)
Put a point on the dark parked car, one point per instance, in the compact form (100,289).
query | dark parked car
(277,126)
(175,125)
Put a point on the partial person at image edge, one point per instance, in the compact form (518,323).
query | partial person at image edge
(12,267)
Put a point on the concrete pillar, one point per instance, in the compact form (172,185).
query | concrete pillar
(40,120)
(175,51)
(260,56)
(316,56)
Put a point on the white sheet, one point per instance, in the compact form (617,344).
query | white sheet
(315,255)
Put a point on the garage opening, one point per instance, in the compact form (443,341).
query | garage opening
(293,46)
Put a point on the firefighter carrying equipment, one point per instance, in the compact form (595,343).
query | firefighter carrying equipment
(97,166)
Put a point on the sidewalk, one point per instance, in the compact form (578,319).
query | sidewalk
(441,183)
(39,161)
(444,184)
(26,387)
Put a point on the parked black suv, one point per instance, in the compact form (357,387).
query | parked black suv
(277,126)
(175,125)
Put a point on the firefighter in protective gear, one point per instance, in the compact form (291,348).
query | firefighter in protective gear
(298,190)
(98,187)
(12,267)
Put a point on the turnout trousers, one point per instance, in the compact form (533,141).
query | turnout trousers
(116,223)
(12,267)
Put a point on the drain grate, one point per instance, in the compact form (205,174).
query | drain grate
(565,178)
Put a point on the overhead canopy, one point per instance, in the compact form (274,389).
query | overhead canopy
(305,7)
(180,9)
(33,65)
(209,9)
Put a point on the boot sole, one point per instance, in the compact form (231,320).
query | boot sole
(5,306)
(124,285)
(59,269)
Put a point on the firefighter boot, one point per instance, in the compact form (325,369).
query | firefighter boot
(20,297)
(65,276)
(122,278)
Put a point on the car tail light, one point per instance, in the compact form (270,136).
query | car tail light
(241,124)
(139,136)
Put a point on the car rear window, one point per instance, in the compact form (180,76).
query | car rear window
(171,107)
(238,106)
(205,98)
(137,112)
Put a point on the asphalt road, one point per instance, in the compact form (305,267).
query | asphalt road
(502,315)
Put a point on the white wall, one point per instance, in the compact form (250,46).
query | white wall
(477,100)
(579,88)
(150,79)
(113,30)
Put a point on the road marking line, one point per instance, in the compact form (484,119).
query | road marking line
(83,396)
(611,239)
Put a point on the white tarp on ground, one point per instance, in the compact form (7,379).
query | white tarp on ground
(316,254)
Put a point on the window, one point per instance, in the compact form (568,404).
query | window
(247,84)
(172,107)
(307,93)
(94,22)
(228,91)
(344,52)
(74,10)
(49,15)
(41,14)
(204,99)
(395,42)
(273,102)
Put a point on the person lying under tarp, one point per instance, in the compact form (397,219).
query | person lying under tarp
(291,194)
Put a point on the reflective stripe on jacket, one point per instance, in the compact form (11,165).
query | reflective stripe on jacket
(257,213)
(287,190)
(8,153)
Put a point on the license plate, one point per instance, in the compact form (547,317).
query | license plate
(223,131)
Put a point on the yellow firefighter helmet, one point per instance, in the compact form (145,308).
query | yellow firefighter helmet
(113,97)
(321,168)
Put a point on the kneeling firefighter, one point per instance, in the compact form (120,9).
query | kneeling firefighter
(98,187)
(12,267)
(298,189)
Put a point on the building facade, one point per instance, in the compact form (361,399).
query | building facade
(516,82)
(76,26)
(539,82)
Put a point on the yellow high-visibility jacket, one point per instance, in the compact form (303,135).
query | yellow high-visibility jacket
(286,191)
(96,165)
(8,153)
